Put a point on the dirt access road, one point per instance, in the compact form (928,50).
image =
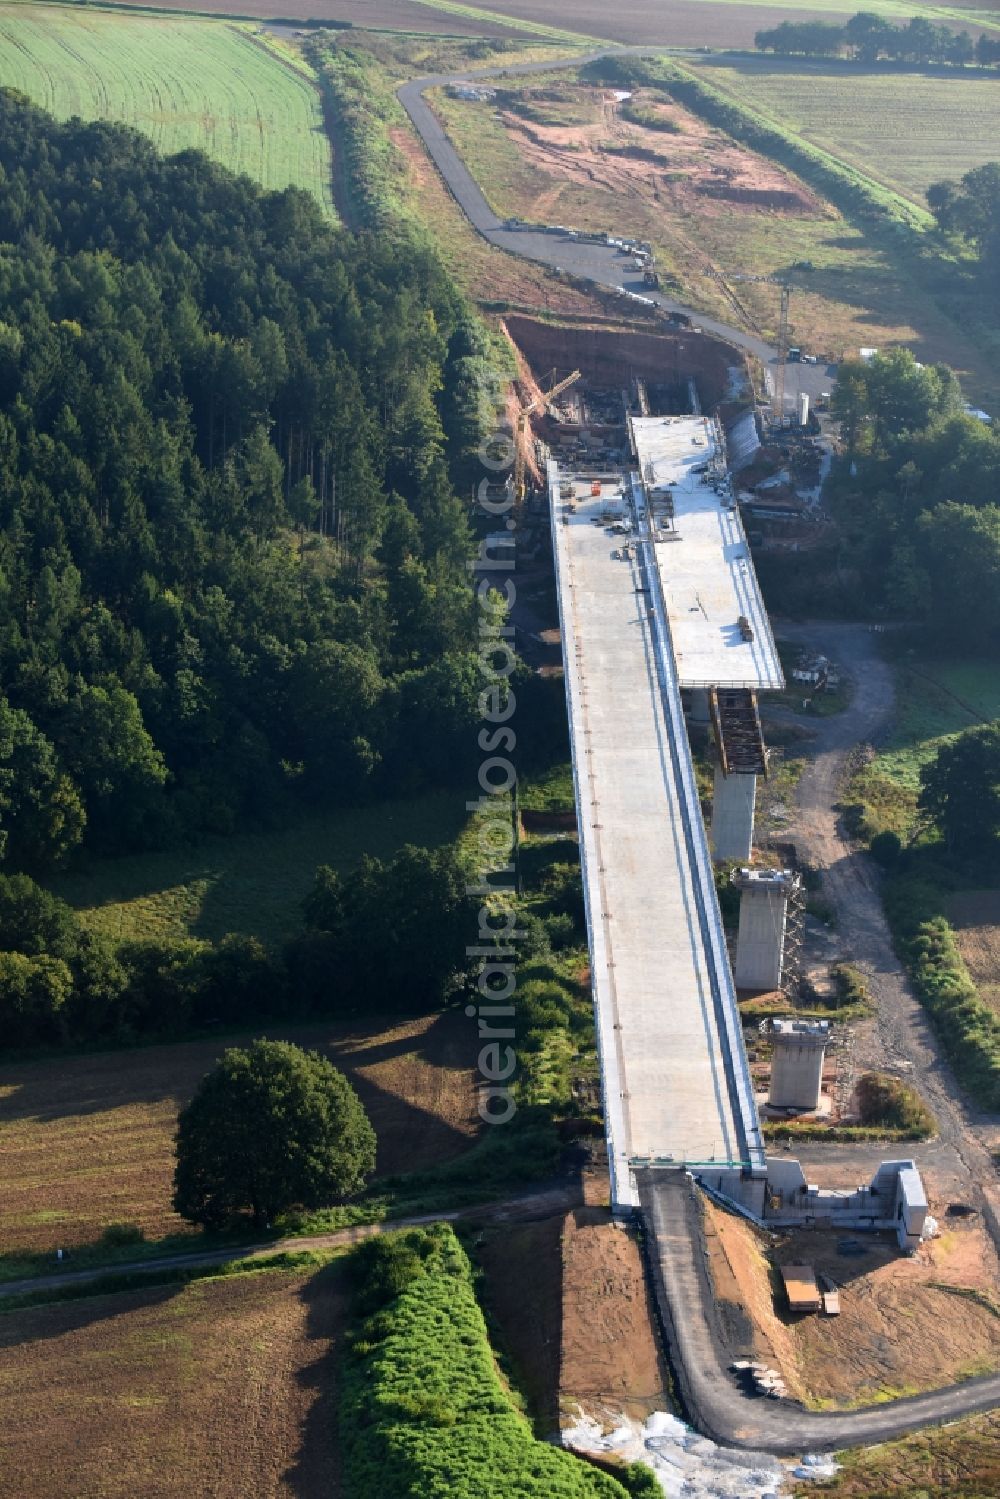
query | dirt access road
(903,1040)
(591,262)
(526,1207)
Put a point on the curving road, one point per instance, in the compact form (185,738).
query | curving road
(591,262)
(711,1396)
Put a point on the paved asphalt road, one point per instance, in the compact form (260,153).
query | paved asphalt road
(599,263)
(712,1397)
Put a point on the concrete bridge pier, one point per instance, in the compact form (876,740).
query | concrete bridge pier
(733,800)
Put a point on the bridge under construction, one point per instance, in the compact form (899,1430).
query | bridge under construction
(653,578)
(657,598)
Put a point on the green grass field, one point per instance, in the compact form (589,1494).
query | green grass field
(906,130)
(250,883)
(935,701)
(183,82)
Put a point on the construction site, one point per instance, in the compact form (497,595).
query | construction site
(628,495)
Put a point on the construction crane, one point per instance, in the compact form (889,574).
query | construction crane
(522,422)
(778,403)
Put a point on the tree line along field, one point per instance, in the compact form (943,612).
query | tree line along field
(906,130)
(88,1140)
(183,82)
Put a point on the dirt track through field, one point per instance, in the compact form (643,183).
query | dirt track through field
(904,1039)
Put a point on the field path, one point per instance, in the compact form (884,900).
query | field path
(526,1206)
(904,1038)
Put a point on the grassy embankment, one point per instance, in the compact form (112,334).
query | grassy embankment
(960,1461)
(424,1408)
(183,82)
(390,181)
(936,701)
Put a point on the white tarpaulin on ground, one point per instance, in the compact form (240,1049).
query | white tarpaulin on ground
(688,1465)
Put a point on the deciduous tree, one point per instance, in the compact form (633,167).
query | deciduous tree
(270,1127)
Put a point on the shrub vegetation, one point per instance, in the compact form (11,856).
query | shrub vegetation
(423,1408)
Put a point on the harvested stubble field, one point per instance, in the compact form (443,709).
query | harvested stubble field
(906,130)
(88,1140)
(183,82)
(975,915)
(554,150)
(224,1387)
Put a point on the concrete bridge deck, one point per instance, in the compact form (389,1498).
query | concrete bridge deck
(677,1086)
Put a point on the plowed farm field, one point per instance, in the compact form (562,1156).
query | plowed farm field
(374,15)
(185,83)
(225,1387)
(88,1141)
(665,23)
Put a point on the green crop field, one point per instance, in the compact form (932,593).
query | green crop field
(184,82)
(906,130)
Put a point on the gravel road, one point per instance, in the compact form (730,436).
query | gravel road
(902,1038)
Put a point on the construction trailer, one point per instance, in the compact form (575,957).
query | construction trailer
(801,1288)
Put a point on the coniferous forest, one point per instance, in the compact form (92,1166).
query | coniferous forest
(232,547)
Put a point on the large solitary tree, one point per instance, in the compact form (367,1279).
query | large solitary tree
(270,1127)
(960,791)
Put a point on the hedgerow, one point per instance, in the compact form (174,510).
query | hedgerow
(359,97)
(969,1029)
(424,1413)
